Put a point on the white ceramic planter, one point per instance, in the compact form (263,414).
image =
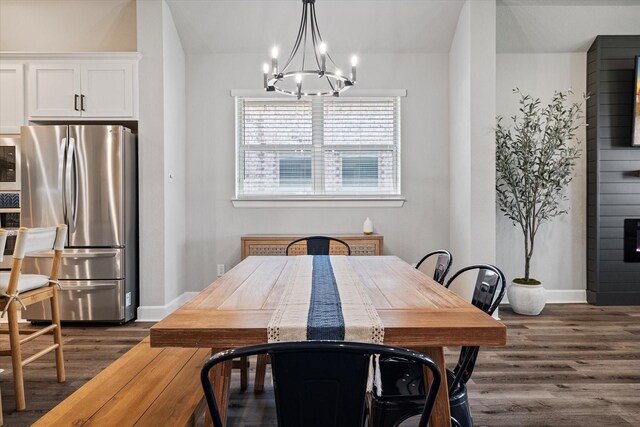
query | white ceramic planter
(527,299)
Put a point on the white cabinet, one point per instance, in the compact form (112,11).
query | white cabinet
(11,97)
(87,89)
(54,90)
(107,89)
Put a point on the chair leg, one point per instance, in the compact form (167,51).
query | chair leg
(57,335)
(16,357)
(261,372)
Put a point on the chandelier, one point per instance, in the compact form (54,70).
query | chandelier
(317,82)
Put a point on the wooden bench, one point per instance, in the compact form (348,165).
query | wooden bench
(145,387)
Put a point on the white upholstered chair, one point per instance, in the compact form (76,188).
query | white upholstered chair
(19,290)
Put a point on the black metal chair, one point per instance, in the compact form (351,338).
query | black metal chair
(321,383)
(319,245)
(402,380)
(443,260)
(316,245)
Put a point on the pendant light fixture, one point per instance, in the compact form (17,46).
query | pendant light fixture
(282,79)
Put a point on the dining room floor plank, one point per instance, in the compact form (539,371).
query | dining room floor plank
(589,378)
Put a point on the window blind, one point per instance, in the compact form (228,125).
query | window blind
(325,147)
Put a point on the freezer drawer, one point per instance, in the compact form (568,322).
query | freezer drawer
(84,301)
(80,264)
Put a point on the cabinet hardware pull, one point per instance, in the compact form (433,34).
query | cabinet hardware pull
(82,102)
(75,102)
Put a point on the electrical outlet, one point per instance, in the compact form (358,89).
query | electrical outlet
(220,269)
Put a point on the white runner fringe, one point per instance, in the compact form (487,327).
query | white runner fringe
(375,377)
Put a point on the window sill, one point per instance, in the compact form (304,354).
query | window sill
(396,202)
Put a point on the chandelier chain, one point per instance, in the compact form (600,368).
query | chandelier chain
(315,29)
(301,30)
(277,79)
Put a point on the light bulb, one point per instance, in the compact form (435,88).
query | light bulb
(298,78)
(323,48)
(265,68)
(274,52)
(338,72)
(354,61)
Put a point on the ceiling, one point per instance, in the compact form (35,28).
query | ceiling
(348,26)
(397,26)
(543,26)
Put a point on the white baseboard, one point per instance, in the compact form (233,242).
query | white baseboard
(155,313)
(557,296)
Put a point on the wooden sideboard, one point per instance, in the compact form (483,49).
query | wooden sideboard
(276,244)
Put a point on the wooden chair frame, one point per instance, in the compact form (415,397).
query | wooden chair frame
(13,301)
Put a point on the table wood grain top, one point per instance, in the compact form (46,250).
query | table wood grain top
(415,310)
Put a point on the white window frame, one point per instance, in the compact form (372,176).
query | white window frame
(333,200)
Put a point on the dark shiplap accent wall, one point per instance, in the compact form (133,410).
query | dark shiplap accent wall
(613,185)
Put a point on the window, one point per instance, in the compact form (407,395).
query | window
(320,148)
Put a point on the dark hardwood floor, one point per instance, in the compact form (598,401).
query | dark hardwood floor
(575,365)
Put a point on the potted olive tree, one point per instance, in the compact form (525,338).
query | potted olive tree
(534,165)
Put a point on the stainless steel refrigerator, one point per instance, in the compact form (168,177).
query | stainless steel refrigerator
(84,176)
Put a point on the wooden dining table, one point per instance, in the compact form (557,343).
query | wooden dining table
(417,313)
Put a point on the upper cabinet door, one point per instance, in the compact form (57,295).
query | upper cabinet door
(107,89)
(54,90)
(11,98)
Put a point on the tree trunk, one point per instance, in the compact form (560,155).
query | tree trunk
(527,261)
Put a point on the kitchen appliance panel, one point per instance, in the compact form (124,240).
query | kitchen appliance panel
(42,164)
(84,301)
(131,221)
(94,177)
(10,163)
(81,264)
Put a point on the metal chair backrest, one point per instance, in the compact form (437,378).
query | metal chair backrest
(436,264)
(320,383)
(319,245)
(489,290)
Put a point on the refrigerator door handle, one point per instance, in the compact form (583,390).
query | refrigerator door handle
(75,187)
(76,255)
(91,287)
(63,142)
(68,201)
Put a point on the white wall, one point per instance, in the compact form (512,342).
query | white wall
(161,146)
(215,226)
(67,26)
(559,260)
(460,131)
(151,153)
(472,83)
(174,157)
